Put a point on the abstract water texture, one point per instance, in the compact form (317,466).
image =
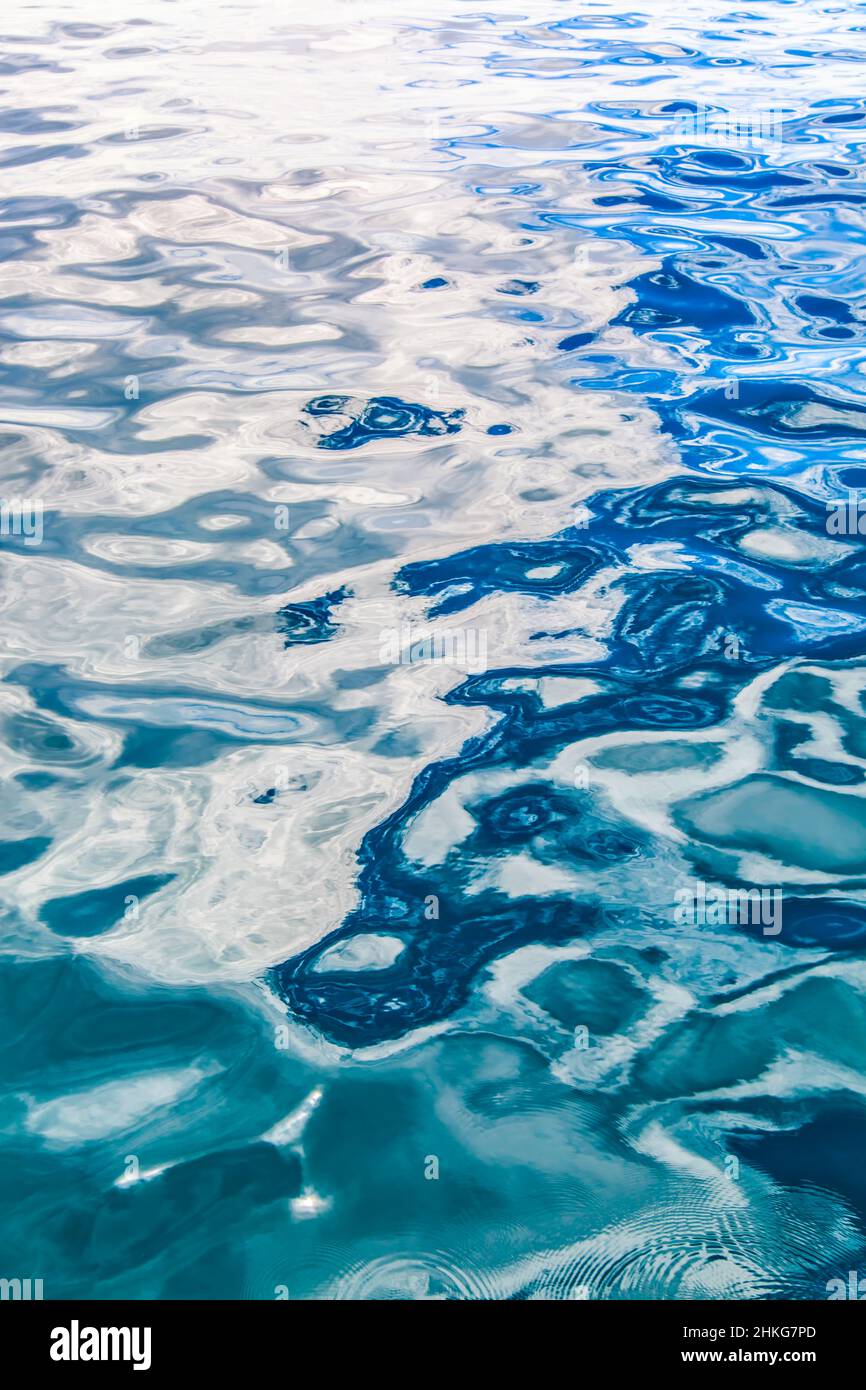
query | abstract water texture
(432,714)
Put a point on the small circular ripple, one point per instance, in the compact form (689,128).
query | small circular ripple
(419,1277)
(686,1251)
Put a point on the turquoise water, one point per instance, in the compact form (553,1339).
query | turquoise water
(434,617)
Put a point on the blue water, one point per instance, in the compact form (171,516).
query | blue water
(422,430)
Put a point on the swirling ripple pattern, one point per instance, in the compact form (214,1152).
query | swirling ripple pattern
(432,724)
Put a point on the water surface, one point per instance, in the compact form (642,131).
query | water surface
(419,587)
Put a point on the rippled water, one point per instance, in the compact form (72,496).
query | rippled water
(421,598)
